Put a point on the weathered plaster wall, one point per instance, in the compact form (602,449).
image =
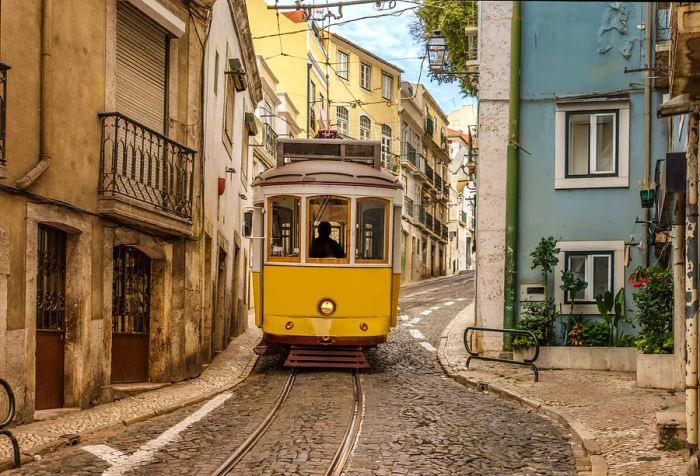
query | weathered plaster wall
(494,70)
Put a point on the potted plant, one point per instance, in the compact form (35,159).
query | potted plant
(572,284)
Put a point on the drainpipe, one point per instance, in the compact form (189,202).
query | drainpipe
(308,98)
(647,120)
(691,283)
(512,177)
(679,343)
(44,113)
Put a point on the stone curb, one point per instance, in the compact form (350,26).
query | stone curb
(28,455)
(594,463)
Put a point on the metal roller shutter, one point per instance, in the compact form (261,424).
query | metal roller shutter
(141,67)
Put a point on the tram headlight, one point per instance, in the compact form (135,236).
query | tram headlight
(326,307)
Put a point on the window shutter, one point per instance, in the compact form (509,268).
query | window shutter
(141,67)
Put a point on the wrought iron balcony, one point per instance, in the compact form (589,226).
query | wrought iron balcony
(145,177)
(446,190)
(445,232)
(429,126)
(438,182)
(411,156)
(421,215)
(408,206)
(429,173)
(270,140)
(429,221)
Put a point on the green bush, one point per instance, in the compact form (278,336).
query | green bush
(596,334)
(654,309)
(538,318)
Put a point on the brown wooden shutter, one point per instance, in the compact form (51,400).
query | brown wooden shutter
(141,67)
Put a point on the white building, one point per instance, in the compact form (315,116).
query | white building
(232,91)
(461,255)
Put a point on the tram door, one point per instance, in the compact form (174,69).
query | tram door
(50,317)
(131,293)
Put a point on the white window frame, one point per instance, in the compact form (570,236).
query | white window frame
(366,76)
(387,85)
(588,296)
(622,145)
(365,132)
(614,246)
(593,142)
(342,122)
(343,61)
(386,144)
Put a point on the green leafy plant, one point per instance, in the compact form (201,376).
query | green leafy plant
(654,300)
(612,310)
(575,334)
(596,334)
(545,257)
(538,318)
(572,284)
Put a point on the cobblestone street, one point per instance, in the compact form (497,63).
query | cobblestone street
(416,421)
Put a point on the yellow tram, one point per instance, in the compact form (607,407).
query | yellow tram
(326,228)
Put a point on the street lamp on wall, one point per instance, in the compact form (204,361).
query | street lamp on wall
(437,51)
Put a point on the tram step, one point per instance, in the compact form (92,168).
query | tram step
(344,357)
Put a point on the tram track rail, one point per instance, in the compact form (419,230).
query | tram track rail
(347,444)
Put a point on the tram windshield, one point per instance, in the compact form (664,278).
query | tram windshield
(328,227)
(284,227)
(371,229)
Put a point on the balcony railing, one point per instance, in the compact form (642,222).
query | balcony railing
(421,215)
(429,126)
(446,190)
(429,221)
(141,164)
(429,173)
(445,232)
(421,163)
(411,154)
(408,206)
(438,182)
(270,140)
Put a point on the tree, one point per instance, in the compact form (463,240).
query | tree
(450,17)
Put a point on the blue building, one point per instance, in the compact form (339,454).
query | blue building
(588,143)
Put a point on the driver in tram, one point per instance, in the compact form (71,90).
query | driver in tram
(323,245)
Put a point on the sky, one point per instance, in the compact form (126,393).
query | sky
(389,37)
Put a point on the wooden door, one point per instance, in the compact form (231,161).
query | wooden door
(131,302)
(50,317)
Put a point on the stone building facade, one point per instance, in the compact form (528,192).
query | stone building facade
(106,205)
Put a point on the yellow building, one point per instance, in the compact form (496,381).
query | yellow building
(296,55)
(364,96)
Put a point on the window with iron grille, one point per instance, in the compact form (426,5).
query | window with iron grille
(366,76)
(365,128)
(342,117)
(342,65)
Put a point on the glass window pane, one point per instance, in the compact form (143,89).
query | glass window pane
(578,144)
(328,227)
(601,275)
(605,138)
(577,265)
(284,227)
(371,229)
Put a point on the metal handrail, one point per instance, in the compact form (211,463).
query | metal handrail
(8,419)
(526,362)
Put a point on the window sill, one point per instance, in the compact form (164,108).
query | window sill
(591,182)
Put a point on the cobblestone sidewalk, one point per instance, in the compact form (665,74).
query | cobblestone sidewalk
(615,419)
(227,370)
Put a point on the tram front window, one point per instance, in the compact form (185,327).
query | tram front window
(284,227)
(371,229)
(328,227)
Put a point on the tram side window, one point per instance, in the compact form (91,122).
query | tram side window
(328,227)
(284,227)
(371,229)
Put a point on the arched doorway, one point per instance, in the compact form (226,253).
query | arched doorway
(131,303)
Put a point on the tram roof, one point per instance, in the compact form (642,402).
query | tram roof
(321,172)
